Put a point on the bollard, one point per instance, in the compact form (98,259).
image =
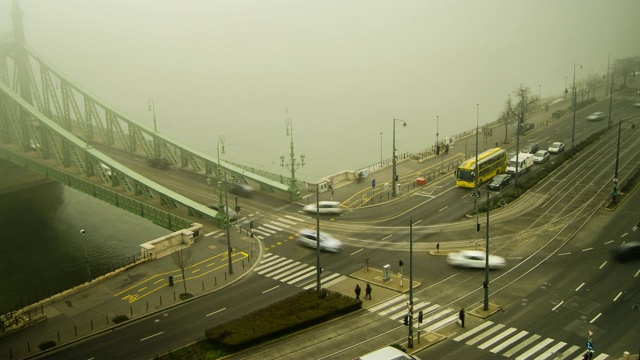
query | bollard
(626,355)
(215,281)
(58,335)
(131,308)
(174,295)
(242,266)
(202,285)
(91,324)
(28,347)
(107,317)
(160,300)
(225,276)
(75,329)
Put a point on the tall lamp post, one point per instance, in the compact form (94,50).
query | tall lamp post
(86,254)
(381,149)
(156,145)
(573,129)
(393,158)
(294,191)
(485,284)
(223,207)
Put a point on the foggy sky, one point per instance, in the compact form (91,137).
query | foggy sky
(343,69)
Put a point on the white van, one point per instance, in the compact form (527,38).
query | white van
(388,353)
(524,161)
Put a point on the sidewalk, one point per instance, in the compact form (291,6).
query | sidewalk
(136,292)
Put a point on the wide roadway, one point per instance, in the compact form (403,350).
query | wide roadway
(382,241)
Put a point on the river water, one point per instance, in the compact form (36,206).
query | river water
(42,250)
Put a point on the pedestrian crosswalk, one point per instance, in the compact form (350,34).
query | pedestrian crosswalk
(264,230)
(434,318)
(294,273)
(520,345)
(634,98)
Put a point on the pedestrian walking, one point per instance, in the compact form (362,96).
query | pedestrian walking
(358,292)
(461,316)
(367,292)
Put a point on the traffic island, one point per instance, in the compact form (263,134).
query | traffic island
(483,314)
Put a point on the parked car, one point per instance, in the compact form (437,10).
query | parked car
(530,148)
(499,181)
(556,147)
(326,207)
(541,156)
(232,214)
(627,251)
(474,259)
(598,115)
(524,127)
(308,237)
(386,353)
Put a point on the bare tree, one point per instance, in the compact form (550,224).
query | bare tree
(523,104)
(182,258)
(625,67)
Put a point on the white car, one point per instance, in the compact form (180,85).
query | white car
(541,156)
(556,148)
(326,207)
(474,259)
(308,237)
(599,115)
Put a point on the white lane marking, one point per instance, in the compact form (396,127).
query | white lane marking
(616,298)
(587,249)
(563,254)
(294,218)
(217,311)
(273,288)
(557,306)
(444,208)
(507,343)
(355,252)
(595,318)
(579,287)
(154,335)
(603,264)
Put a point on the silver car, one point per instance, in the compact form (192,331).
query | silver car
(598,115)
(308,237)
(474,259)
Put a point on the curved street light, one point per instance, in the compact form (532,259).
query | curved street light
(294,191)
(394,175)
(485,284)
(223,205)
(573,129)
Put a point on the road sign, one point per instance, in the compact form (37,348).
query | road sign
(373,183)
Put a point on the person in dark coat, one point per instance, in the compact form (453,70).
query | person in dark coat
(358,292)
(367,292)
(461,316)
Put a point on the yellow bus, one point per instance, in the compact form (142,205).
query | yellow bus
(491,163)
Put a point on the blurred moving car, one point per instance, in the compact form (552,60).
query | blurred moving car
(243,190)
(530,148)
(627,251)
(499,181)
(541,156)
(474,259)
(558,114)
(598,115)
(232,214)
(326,207)
(636,105)
(556,147)
(388,353)
(308,237)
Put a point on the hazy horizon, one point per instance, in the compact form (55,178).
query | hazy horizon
(343,69)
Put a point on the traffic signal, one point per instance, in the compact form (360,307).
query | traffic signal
(406,320)
(478,227)
(437,149)
(420,317)
(401,262)
(237,208)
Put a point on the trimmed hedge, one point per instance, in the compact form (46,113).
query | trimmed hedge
(292,314)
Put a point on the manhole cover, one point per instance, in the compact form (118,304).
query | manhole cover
(581,305)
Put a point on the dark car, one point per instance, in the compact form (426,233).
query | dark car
(524,127)
(530,148)
(558,114)
(243,190)
(627,251)
(499,181)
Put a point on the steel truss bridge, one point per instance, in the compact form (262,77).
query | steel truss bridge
(48,124)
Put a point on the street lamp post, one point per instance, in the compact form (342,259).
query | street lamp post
(381,149)
(156,145)
(223,204)
(410,339)
(610,101)
(573,129)
(485,284)
(393,158)
(294,191)
(539,94)
(86,254)
(614,193)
